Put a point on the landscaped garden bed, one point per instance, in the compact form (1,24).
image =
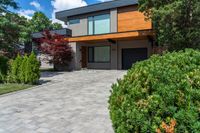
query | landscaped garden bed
(20,73)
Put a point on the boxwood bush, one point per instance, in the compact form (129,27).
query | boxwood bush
(156,92)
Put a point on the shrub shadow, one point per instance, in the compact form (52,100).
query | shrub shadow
(41,82)
(49,74)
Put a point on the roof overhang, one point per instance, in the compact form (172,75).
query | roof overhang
(113,36)
(64,15)
(64,32)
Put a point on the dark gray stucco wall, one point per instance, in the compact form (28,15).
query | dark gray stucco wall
(79,29)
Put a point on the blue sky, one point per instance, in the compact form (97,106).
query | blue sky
(49,7)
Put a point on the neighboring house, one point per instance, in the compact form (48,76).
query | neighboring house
(109,35)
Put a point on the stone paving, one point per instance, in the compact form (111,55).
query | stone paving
(71,102)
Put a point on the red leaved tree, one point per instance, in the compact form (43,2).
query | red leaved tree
(58,48)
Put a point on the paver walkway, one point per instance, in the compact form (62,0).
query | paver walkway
(72,102)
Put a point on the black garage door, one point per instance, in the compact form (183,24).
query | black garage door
(132,55)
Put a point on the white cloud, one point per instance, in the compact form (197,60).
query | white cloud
(26,13)
(36,5)
(60,5)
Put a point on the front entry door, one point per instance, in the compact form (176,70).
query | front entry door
(84,57)
(132,55)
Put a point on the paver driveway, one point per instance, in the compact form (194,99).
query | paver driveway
(73,102)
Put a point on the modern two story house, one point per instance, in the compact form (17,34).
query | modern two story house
(109,35)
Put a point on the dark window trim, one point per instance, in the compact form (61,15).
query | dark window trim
(77,21)
(94,54)
(94,26)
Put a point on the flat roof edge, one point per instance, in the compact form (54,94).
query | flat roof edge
(94,8)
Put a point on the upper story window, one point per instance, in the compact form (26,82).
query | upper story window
(99,24)
(74,21)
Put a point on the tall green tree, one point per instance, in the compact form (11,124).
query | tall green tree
(55,26)
(4,4)
(40,22)
(176,22)
(15,29)
(11,27)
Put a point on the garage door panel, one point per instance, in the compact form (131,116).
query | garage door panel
(132,55)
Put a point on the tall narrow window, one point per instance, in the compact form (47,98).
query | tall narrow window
(90,26)
(91,54)
(99,24)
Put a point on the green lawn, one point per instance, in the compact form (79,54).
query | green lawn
(7,88)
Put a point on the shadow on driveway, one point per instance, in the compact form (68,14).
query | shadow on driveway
(50,74)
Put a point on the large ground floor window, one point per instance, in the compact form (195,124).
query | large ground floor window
(100,54)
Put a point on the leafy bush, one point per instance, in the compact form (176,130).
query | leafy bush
(33,69)
(14,72)
(3,67)
(160,92)
(24,70)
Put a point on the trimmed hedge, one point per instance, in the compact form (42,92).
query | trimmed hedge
(159,92)
(3,68)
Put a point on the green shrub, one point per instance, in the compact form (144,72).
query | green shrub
(3,67)
(24,70)
(33,69)
(14,72)
(156,91)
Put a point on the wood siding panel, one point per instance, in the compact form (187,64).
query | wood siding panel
(130,19)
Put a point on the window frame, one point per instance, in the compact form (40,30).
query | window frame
(89,26)
(93,24)
(77,21)
(93,55)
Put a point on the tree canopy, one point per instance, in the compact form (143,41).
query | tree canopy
(176,22)
(4,4)
(40,22)
(15,29)
(12,28)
